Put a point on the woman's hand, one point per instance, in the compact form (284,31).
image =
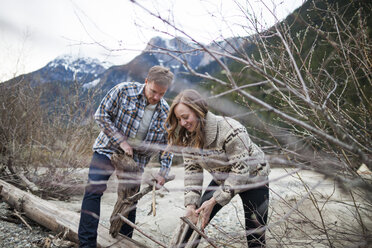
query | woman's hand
(206,210)
(191,214)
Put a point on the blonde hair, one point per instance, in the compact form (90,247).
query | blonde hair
(160,75)
(178,135)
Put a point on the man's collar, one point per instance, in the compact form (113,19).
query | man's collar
(141,91)
(162,107)
(141,94)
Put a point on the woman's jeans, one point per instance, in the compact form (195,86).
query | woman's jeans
(100,171)
(255,204)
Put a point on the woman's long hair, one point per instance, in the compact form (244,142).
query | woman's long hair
(178,135)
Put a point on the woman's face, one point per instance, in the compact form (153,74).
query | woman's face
(186,117)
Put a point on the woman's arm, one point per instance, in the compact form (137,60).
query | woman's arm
(191,213)
(246,160)
(193,180)
(205,210)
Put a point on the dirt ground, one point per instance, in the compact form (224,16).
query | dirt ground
(306,210)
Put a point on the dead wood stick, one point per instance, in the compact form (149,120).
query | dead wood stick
(47,243)
(22,219)
(153,200)
(196,229)
(138,195)
(30,185)
(146,190)
(142,232)
(179,235)
(123,206)
(194,239)
(8,219)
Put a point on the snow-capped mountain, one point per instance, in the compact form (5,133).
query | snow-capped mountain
(77,67)
(67,68)
(169,53)
(195,54)
(91,73)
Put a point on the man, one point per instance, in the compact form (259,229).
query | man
(131,117)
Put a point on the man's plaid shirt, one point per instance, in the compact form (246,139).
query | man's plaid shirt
(119,116)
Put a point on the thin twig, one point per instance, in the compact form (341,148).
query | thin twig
(154,200)
(195,228)
(22,219)
(139,230)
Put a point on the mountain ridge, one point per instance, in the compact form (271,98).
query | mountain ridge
(90,72)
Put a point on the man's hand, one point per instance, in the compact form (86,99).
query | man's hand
(206,210)
(128,150)
(191,214)
(159,181)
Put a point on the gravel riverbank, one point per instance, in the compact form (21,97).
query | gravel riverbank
(292,215)
(15,234)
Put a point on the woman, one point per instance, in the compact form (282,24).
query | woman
(221,146)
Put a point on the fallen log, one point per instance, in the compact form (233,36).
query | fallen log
(57,219)
(129,176)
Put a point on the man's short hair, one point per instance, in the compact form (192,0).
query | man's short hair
(160,75)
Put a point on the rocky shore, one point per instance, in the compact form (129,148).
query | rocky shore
(16,234)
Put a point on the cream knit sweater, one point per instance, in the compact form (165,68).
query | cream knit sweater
(229,155)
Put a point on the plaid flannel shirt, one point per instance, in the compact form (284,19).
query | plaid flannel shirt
(119,116)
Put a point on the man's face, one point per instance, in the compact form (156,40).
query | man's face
(154,92)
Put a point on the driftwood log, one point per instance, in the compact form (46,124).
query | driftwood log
(57,219)
(129,176)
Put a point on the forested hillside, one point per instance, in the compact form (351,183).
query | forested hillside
(314,66)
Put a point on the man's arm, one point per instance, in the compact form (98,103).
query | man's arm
(106,111)
(165,163)
(165,157)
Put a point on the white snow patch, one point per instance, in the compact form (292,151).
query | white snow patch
(91,84)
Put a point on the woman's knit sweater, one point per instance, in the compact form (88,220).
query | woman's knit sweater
(229,155)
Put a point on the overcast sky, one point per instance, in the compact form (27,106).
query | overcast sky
(34,32)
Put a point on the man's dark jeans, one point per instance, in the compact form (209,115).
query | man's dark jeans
(100,171)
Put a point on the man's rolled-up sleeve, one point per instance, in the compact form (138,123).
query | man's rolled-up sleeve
(107,109)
